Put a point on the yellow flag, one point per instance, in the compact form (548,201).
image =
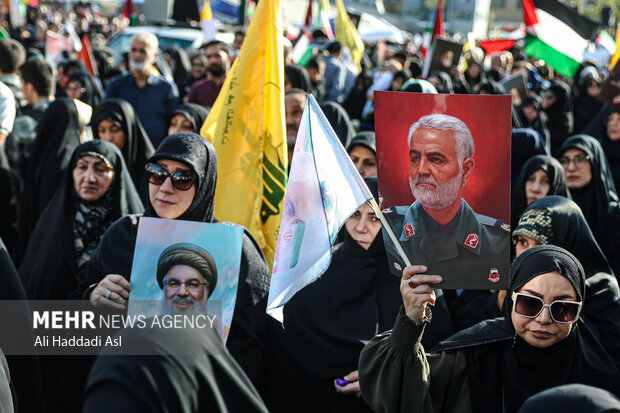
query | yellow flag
(616,56)
(246,126)
(347,34)
(206,14)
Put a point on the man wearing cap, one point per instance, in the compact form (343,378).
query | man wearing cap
(188,275)
(440,230)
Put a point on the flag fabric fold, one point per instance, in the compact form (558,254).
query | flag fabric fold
(347,34)
(86,56)
(246,126)
(324,189)
(557,34)
(438,30)
(207,22)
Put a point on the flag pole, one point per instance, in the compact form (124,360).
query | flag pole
(389,231)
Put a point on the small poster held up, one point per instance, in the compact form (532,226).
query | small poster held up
(186,266)
(444,56)
(444,174)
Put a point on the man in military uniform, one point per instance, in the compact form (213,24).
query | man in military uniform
(440,230)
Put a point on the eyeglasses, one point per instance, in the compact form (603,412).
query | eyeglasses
(181,180)
(193,286)
(578,161)
(530,306)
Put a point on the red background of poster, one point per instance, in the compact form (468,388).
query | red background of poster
(487,117)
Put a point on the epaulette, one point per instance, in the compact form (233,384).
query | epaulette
(492,222)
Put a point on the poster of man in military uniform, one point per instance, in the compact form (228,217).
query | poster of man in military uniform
(444,175)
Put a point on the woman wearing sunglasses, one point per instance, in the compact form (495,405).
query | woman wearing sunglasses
(182,175)
(591,185)
(497,364)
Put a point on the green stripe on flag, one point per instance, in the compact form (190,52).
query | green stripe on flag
(561,63)
(4,34)
(305,58)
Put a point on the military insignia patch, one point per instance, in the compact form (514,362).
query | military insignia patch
(409,232)
(397,266)
(472,241)
(494,275)
(505,227)
(387,211)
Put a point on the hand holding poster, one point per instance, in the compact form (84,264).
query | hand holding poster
(187,266)
(451,155)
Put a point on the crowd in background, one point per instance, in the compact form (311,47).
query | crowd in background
(85,153)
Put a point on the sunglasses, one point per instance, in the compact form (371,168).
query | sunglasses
(181,180)
(530,306)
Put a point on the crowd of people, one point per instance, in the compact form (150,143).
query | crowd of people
(84,156)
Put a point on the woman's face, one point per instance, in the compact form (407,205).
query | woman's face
(548,99)
(168,201)
(180,123)
(363,226)
(108,131)
(542,331)
(91,177)
(199,69)
(536,186)
(473,70)
(397,84)
(530,113)
(365,161)
(593,89)
(436,82)
(577,168)
(524,243)
(613,126)
(74,90)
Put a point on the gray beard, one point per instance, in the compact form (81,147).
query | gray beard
(441,197)
(135,66)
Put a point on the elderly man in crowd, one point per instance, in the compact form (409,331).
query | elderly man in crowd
(152,96)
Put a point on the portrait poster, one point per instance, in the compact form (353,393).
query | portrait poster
(516,86)
(444,56)
(470,249)
(222,242)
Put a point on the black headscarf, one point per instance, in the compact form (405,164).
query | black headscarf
(180,65)
(196,152)
(50,264)
(194,113)
(208,380)
(92,93)
(611,148)
(524,144)
(585,107)
(322,339)
(339,120)
(598,199)
(115,252)
(138,147)
(560,123)
(506,370)
(58,134)
(572,398)
(366,139)
(539,125)
(557,185)
(24,370)
(445,80)
(298,76)
(571,232)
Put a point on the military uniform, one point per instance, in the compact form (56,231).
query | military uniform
(471,252)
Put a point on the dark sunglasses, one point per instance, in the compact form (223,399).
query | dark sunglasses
(531,306)
(181,180)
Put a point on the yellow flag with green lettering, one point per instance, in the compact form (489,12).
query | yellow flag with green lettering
(246,126)
(347,34)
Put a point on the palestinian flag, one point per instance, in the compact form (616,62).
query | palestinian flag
(556,33)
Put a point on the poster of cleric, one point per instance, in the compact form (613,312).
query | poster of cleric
(444,175)
(186,267)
